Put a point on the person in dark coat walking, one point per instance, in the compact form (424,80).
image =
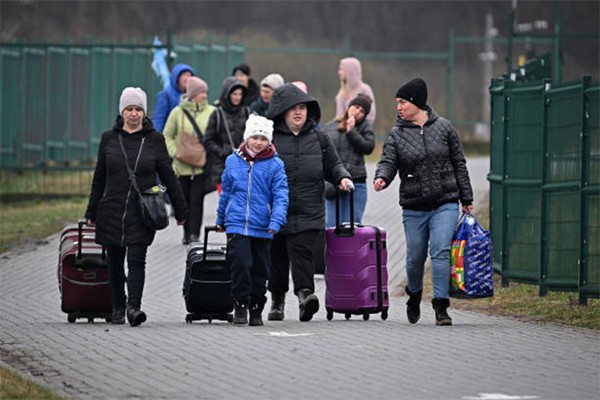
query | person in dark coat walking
(309,161)
(225,129)
(270,82)
(425,151)
(242,72)
(113,206)
(353,138)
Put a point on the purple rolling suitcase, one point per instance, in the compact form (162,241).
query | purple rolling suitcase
(356,273)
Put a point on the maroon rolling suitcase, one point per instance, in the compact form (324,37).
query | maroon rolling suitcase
(356,273)
(83,275)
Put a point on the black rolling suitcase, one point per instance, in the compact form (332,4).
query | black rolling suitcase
(207,282)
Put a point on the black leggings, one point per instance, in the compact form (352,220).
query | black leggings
(136,267)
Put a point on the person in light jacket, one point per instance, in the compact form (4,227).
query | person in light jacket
(351,85)
(192,179)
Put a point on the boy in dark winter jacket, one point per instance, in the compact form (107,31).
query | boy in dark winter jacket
(310,159)
(252,208)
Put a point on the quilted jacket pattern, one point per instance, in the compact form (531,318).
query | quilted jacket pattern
(429,161)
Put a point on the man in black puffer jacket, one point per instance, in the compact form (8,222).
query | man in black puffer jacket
(295,115)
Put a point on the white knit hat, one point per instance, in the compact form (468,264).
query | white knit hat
(273,81)
(258,126)
(132,96)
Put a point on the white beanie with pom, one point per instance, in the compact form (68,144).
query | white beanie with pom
(257,125)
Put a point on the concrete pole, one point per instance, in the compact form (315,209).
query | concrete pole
(487,57)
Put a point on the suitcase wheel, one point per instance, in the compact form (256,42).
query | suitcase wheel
(230,318)
(71,318)
(347,315)
(90,320)
(329,314)
(188,319)
(366,316)
(384,315)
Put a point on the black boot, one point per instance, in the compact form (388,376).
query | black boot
(135,316)
(277,307)
(413,305)
(240,314)
(309,304)
(256,309)
(441,315)
(118,315)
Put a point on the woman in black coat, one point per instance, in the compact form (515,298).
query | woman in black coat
(225,128)
(113,205)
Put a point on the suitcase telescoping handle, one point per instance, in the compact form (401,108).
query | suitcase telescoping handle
(80,224)
(209,228)
(340,229)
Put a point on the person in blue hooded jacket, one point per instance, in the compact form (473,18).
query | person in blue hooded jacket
(252,208)
(169,98)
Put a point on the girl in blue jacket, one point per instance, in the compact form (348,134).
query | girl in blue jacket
(252,208)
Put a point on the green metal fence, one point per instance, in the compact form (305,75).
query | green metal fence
(56,99)
(545,184)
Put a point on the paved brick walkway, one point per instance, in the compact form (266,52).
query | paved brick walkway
(480,357)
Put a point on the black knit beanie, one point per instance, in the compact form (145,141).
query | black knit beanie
(363,101)
(241,67)
(414,91)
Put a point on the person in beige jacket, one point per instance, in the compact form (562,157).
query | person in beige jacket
(191,178)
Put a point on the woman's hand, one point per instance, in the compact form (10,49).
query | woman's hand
(219,228)
(379,184)
(350,123)
(346,184)
(468,209)
(89,222)
(179,223)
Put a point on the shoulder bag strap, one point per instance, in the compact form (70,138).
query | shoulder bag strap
(131,172)
(194,124)
(227,129)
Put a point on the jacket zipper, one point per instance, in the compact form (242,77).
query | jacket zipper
(129,193)
(249,198)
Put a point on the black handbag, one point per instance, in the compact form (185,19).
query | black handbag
(152,203)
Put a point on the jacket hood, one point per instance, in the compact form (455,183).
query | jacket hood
(353,69)
(229,85)
(432,117)
(288,96)
(178,70)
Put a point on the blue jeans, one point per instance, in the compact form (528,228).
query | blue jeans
(360,201)
(434,228)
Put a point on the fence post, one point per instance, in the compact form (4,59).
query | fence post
(583,242)
(450,78)
(542,287)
